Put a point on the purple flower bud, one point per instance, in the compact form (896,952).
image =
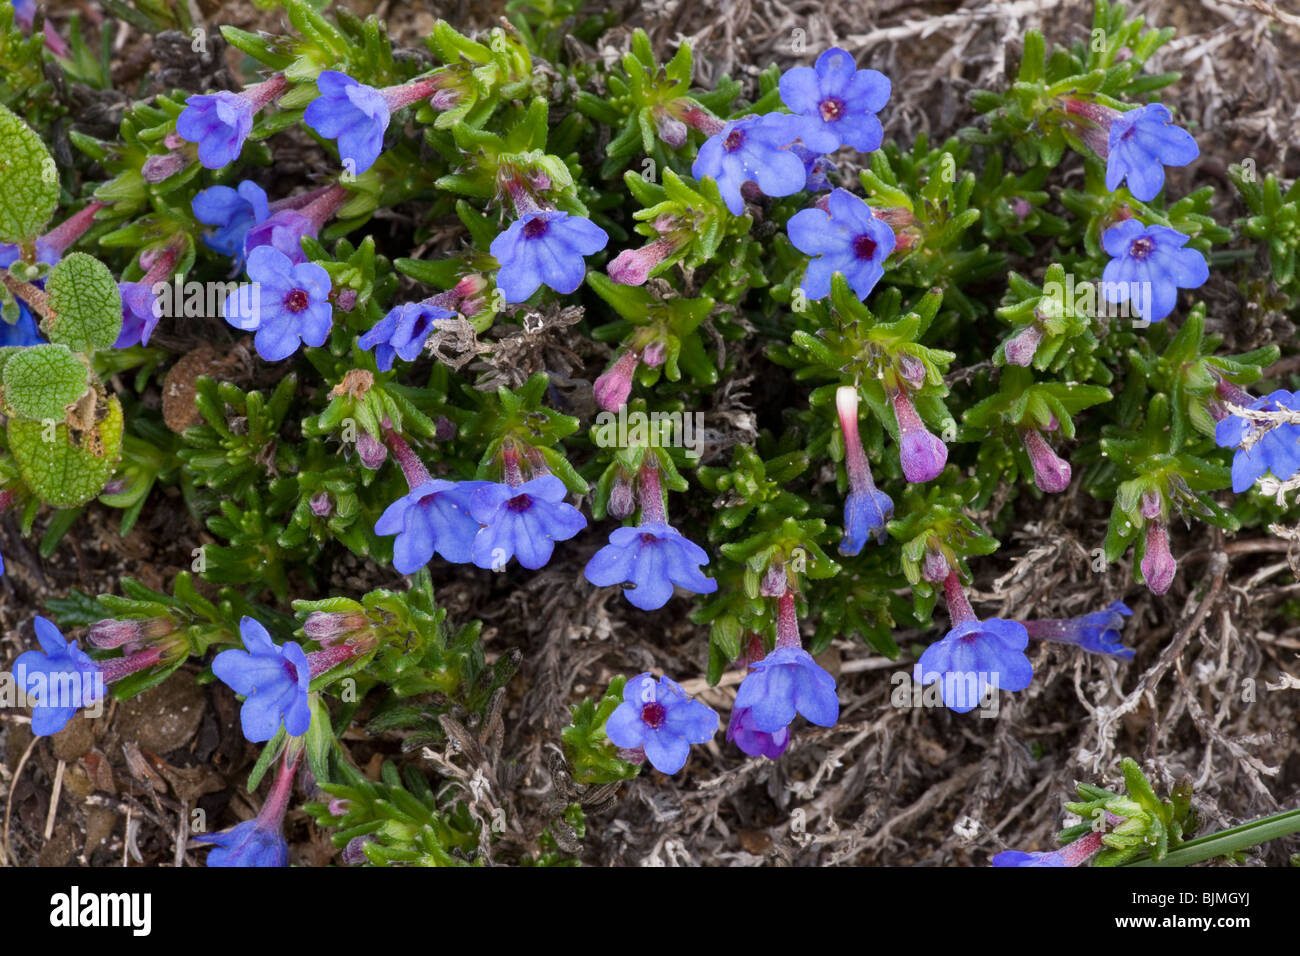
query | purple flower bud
(654,355)
(1021,347)
(934,567)
(633,266)
(622,501)
(444,429)
(1051,472)
(775,580)
(354,854)
(1152,504)
(158,168)
(922,454)
(1158,565)
(670,129)
(321,505)
(612,389)
(326,627)
(109,634)
(912,370)
(371,451)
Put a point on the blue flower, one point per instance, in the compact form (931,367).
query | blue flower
(865,515)
(759,149)
(60,677)
(784,682)
(972,658)
(286,302)
(1150,265)
(817,168)
(281,230)
(757,743)
(1276,450)
(273,679)
(354,114)
(662,720)
(848,239)
(139,317)
(1072,854)
(434,517)
(22,333)
(844,99)
(24,12)
(523,522)
(233,212)
(402,332)
(653,557)
(545,246)
(1099,632)
(1141,143)
(1021,858)
(252,843)
(219,123)
(25,331)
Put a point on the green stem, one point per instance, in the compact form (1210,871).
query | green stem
(1230,840)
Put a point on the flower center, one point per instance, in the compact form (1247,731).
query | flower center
(297,300)
(520,503)
(535,228)
(1141,248)
(832,108)
(647,538)
(735,139)
(864,247)
(290,671)
(653,714)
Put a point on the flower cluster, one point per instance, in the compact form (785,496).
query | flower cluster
(483,522)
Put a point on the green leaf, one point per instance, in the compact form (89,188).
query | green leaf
(41,381)
(70,468)
(319,739)
(29,180)
(86,304)
(272,750)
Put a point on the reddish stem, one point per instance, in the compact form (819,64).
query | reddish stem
(651,494)
(787,623)
(959,609)
(414,470)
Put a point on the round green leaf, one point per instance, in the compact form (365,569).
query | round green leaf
(40,382)
(29,180)
(86,304)
(66,469)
